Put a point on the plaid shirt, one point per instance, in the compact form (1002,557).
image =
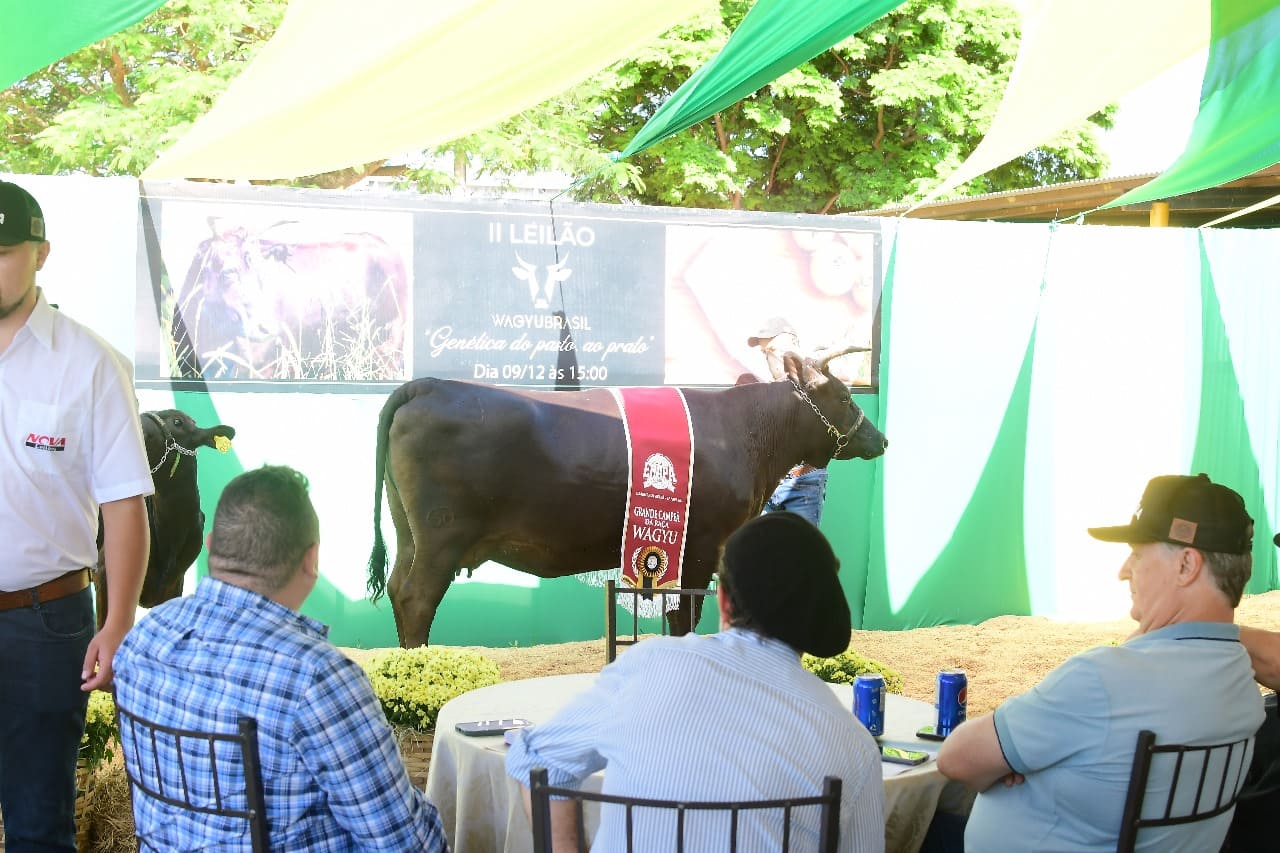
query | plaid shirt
(332,776)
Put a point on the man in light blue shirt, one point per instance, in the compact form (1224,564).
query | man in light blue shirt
(1053,764)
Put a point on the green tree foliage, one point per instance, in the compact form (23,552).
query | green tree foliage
(110,108)
(874,120)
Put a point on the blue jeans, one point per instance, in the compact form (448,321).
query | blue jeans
(802,495)
(42,712)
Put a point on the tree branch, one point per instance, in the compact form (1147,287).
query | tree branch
(118,73)
(722,138)
(773,169)
(830,203)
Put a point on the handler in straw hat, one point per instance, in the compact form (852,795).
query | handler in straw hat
(730,716)
(1063,750)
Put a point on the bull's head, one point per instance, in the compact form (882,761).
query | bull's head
(540,293)
(849,433)
(220,301)
(175,427)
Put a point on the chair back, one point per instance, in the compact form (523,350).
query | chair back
(194,770)
(541,793)
(1209,778)
(613,594)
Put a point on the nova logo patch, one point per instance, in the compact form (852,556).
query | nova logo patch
(46,442)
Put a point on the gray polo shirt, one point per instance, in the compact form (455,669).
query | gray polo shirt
(1073,737)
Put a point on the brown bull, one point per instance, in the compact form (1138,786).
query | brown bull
(537,480)
(263,306)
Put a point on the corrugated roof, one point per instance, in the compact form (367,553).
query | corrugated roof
(1068,200)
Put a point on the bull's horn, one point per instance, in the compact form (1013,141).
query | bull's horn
(823,357)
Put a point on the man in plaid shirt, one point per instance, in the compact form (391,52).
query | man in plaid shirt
(332,776)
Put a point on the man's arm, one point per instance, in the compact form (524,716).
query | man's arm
(971,754)
(564,829)
(126,541)
(1264,652)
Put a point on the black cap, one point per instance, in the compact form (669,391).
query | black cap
(781,569)
(20,217)
(772,327)
(1190,511)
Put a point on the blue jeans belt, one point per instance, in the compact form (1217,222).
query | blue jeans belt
(60,587)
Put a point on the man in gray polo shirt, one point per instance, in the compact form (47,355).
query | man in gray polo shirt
(1052,764)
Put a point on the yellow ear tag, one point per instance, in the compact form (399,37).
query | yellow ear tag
(222,443)
(177,457)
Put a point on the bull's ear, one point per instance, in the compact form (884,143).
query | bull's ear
(814,374)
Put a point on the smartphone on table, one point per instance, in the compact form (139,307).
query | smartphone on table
(898,755)
(929,733)
(491,727)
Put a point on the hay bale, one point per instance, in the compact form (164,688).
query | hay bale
(110,810)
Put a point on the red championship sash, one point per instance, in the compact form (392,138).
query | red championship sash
(660,452)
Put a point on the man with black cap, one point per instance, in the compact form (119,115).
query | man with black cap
(731,716)
(1064,749)
(72,444)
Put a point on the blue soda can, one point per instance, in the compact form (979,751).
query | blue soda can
(868,702)
(953,699)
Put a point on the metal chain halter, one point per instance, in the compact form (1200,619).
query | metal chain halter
(842,440)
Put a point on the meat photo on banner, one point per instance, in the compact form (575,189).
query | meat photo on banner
(725,281)
(535,300)
(275,292)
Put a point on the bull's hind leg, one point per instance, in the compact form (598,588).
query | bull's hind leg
(424,567)
(416,588)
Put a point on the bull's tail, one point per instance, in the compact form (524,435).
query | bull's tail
(377,583)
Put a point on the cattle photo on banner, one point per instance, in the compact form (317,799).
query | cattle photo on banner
(660,452)
(259,293)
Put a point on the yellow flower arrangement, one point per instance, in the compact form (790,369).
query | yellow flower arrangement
(413,684)
(847,666)
(99,730)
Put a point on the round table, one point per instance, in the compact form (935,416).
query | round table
(481,806)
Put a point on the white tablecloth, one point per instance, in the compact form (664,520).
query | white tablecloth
(481,806)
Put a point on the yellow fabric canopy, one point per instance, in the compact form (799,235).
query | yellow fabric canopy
(427,73)
(1076,57)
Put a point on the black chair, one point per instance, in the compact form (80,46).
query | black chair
(541,793)
(613,594)
(1213,789)
(198,762)
(1253,825)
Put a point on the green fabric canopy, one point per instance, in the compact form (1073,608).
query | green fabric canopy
(35,35)
(1237,131)
(774,37)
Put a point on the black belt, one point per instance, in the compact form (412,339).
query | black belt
(60,587)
